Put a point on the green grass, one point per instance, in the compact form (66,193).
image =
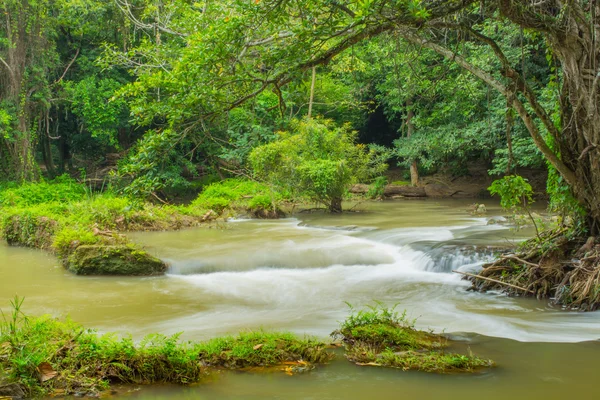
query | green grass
(61,214)
(380,336)
(45,355)
(238,194)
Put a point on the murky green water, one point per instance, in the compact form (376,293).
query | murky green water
(296,274)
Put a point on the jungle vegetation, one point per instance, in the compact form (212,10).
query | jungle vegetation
(153,98)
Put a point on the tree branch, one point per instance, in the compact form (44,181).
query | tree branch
(567,174)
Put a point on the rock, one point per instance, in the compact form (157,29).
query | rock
(359,188)
(481,209)
(437,190)
(113,260)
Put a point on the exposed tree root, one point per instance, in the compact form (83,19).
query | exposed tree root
(555,266)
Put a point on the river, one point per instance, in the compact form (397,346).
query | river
(300,274)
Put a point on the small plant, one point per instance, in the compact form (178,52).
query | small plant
(515,194)
(377,188)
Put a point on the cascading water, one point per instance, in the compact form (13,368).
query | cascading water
(297,276)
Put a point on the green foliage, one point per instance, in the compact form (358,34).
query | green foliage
(377,188)
(61,189)
(380,336)
(318,160)
(571,213)
(43,354)
(514,191)
(68,236)
(61,215)
(237,193)
(101,113)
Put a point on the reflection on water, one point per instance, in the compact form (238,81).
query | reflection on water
(296,274)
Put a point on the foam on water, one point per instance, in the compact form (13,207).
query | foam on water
(303,285)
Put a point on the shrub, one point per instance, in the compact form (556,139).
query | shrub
(317,160)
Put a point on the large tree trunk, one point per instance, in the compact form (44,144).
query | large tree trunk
(573,39)
(22,24)
(336,205)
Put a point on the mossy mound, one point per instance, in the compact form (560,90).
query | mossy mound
(29,230)
(113,260)
(381,337)
(44,356)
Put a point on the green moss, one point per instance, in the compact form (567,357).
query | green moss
(379,336)
(76,359)
(113,260)
(29,229)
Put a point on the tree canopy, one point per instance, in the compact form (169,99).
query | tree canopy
(185,87)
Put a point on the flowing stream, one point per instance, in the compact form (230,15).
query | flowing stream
(298,274)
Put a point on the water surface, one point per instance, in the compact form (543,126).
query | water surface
(299,274)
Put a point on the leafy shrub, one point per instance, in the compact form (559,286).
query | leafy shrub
(241,193)
(61,189)
(514,191)
(317,160)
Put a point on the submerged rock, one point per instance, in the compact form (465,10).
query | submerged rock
(113,260)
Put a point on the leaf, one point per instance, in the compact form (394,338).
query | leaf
(258,346)
(46,371)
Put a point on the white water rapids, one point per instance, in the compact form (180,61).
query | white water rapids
(281,275)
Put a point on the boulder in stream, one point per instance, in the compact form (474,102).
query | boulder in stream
(113,260)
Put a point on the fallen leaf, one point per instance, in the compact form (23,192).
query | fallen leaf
(258,346)
(46,371)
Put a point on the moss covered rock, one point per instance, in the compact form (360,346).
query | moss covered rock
(113,260)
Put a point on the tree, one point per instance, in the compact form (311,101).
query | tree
(266,45)
(317,160)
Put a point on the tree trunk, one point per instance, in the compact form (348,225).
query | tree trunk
(574,41)
(312,91)
(336,205)
(414,170)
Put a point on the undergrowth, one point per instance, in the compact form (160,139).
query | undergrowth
(46,356)
(61,215)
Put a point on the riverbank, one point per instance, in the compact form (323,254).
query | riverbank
(42,356)
(85,229)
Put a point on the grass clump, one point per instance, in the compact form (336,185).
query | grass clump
(381,336)
(46,356)
(238,194)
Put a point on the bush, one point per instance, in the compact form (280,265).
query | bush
(61,189)
(317,160)
(237,193)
